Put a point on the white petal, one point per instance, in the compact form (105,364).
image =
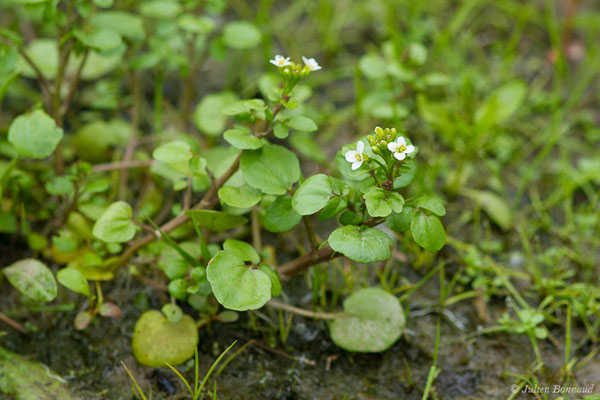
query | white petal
(305,60)
(356,165)
(274,62)
(409,149)
(360,146)
(400,156)
(392,146)
(401,141)
(351,156)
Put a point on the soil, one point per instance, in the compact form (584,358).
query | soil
(308,366)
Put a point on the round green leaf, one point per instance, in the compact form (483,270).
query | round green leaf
(126,24)
(372,322)
(428,232)
(216,221)
(235,285)
(172,312)
(173,152)
(157,341)
(115,224)
(381,203)
(99,39)
(361,245)
(301,123)
(373,66)
(34,134)
(160,9)
(241,249)
(432,204)
(312,195)
(280,216)
(241,35)
(272,169)
(275,283)
(400,222)
(208,115)
(243,197)
(32,278)
(73,280)
(242,139)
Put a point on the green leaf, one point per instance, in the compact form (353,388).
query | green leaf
(493,205)
(361,245)
(432,204)
(242,250)
(242,139)
(172,312)
(208,115)
(216,221)
(156,340)
(173,152)
(32,278)
(243,197)
(501,104)
(160,9)
(312,195)
(272,169)
(400,222)
(104,3)
(235,285)
(381,203)
(301,123)
(59,185)
(280,131)
(99,39)
(373,66)
(274,277)
(333,208)
(372,322)
(428,232)
(73,280)
(115,224)
(34,134)
(126,24)
(241,35)
(280,216)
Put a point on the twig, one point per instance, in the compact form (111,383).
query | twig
(306,261)
(13,323)
(122,165)
(74,83)
(302,311)
(44,83)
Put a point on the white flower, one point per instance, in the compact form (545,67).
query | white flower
(356,157)
(280,61)
(400,149)
(311,63)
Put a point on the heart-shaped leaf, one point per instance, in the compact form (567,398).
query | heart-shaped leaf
(361,245)
(33,279)
(372,322)
(115,224)
(241,249)
(235,285)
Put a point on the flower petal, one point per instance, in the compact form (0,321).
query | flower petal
(360,147)
(274,62)
(401,141)
(392,146)
(400,156)
(351,156)
(356,165)
(409,149)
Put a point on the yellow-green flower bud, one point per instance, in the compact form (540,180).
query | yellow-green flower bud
(378,130)
(376,150)
(371,140)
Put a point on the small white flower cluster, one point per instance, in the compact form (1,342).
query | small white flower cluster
(398,148)
(281,61)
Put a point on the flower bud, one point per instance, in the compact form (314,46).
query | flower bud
(375,149)
(371,140)
(378,130)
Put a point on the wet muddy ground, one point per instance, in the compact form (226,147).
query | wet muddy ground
(309,366)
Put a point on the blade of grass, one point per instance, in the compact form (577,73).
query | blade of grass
(213,367)
(135,384)
(180,377)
